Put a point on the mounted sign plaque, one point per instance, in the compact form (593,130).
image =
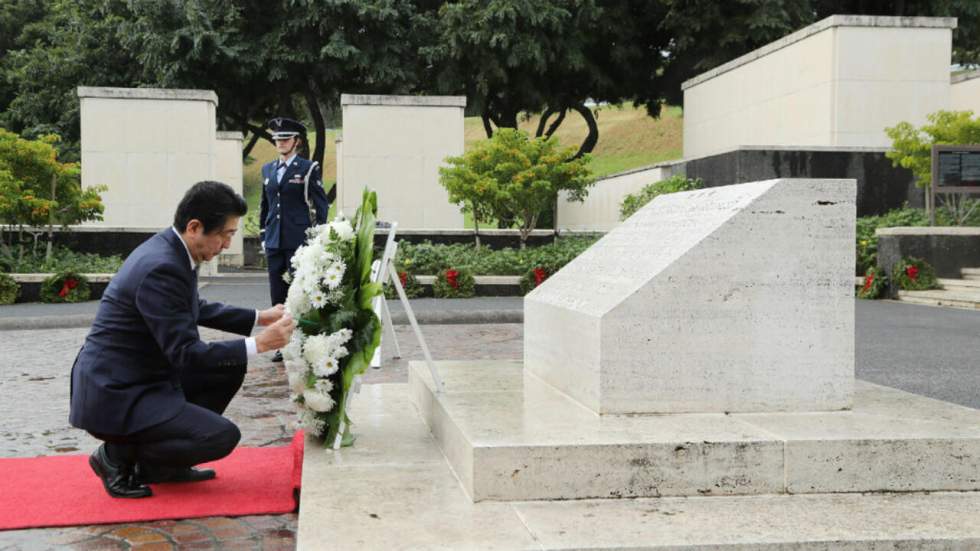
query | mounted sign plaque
(955,169)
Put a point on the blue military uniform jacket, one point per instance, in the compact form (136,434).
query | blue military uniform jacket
(126,377)
(284,216)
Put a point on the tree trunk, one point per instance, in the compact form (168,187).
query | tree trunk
(544,120)
(593,138)
(260,132)
(321,135)
(476,226)
(554,126)
(487,127)
(54,189)
(251,143)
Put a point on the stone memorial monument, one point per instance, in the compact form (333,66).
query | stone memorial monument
(700,359)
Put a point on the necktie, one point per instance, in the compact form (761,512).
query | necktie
(280,170)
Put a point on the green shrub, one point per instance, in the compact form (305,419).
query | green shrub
(428,258)
(914,274)
(413,288)
(634,202)
(534,277)
(867,241)
(8,289)
(454,283)
(67,286)
(515,177)
(874,284)
(62,259)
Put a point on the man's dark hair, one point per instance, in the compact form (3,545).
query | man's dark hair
(211,203)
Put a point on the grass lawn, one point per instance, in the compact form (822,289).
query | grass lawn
(628,138)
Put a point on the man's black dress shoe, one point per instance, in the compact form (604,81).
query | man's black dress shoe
(118,480)
(277,357)
(158,474)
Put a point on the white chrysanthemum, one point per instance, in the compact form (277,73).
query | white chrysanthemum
(294,350)
(318,299)
(309,422)
(317,349)
(343,229)
(324,385)
(327,368)
(332,279)
(296,302)
(317,401)
(297,380)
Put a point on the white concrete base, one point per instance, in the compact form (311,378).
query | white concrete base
(509,436)
(394,490)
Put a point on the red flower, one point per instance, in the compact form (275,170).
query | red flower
(912,272)
(539,276)
(67,286)
(451,278)
(403,276)
(868,280)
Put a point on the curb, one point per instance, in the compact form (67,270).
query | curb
(437,317)
(46,322)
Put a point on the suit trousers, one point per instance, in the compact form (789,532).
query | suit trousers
(197,434)
(279,261)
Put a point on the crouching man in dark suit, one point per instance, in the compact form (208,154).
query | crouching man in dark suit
(144,382)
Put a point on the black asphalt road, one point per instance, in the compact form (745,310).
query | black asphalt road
(920,349)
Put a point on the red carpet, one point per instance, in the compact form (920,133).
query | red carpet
(63,491)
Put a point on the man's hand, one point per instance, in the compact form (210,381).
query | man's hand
(276,335)
(271,315)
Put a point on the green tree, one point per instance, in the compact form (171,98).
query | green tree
(291,58)
(515,177)
(75,43)
(912,149)
(39,191)
(513,56)
(470,183)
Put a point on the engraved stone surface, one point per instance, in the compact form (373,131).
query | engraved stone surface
(732,299)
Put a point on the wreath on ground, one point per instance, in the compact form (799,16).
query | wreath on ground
(413,289)
(454,283)
(534,277)
(874,284)
(65,286)
(914,274)
(8,289)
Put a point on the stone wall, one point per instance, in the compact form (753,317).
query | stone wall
(600,210)
(837,82)
(149,146)
(947,249)
(964,92)
(395,146)
(880,186)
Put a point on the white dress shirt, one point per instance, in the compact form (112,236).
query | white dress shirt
(251,349)
(282,166)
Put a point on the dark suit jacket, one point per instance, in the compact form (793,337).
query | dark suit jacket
(127,375)
(283,216)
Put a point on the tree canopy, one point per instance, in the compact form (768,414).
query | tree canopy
(295,57)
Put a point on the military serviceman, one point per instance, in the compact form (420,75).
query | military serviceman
(293,200)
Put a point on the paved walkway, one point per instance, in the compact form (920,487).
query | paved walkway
(34,378)
(921,349)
